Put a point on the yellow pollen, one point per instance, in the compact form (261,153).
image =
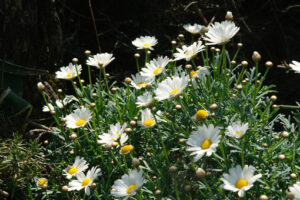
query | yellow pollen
(187,53)
(80,122)
(85,182)
(42,181)
(131,187)
(72,170)
(126,149)
(146,45)
(201,115)
(238,132)
(141,84)
(241,183)
(149,122)
(192,73)
(206,144)
(69,74)
(174,91)
(157,70)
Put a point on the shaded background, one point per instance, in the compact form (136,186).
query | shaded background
(48,34)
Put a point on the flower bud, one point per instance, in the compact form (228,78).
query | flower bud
(178,107)
(93,185)
(188,66)
(127,80)
(200,173)
(40,86)
(263,197)
(173,42)
(52,112)
(233,62)
(135,162)
(173,169)
(244,63)
(290,196)
(187,188)
(65,188)
(115,144)
(181,36)
(273,98)
(269,64)
(107,147)
(73,136)
(229,16)
(87,52)
(137,55)
(128,130)
(285,134)
(132,123)
(281,157)
(218,50)
(293,175)
(94,95)
(157,192)
(256,57)
(239,44)
(203,30)
(113,89)
(213,106)
(239,87)
(46,142)
(75,60)
(71,152)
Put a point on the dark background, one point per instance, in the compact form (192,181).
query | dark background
(48,34)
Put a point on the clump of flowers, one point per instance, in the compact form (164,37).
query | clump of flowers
(168,122)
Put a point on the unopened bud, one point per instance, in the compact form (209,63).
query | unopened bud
(93,185)
(239,44)
(269,64)
(127,80)
(244,63)
(181,36)
(52,112)
(273,98)
(213,106)
(263,197)
(137,55)
(233,62)
(218,50)
(65,188)
(132,123)
(87,52)
(113,89)
(46,142)
(239,87)
(73,136)
(187,188)
(281,157)
(285,134)
(200,173)
(157,192)
(275,106)
(173,169)
(71,152)
(94,95)
(59,90)
(75,60)
(114,144)
(178,107)
(40,86)
(203,30)
(293,175)
(107,147)
(265,145)
(188,66)
(229,16)
(135,162)
(128,130)
(256,57)
(181,140)
(290,196)
(173,42)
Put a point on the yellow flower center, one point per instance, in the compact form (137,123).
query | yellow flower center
(174,91)
(238,132)
(206,144)
(126,149)
(187,53)
(85,182)
(157,70)
(149,122)
(69,74)
(192,73)
(141,84)
(146,45)
(72,170)
(131,187)
(241,183)
(42,181)
(201,115)
(80,122)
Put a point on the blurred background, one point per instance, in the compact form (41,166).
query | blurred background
(38,37)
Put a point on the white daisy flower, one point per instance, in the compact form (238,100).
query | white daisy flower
(236,129)
(199,74)
(295,66)
(145,42)
(144,100)
(148,119)
(239,180)
(126,149)
(193,29)
(46,108)
(79,165)
(42,182)
(59,103)
(115,134)
(84,181)
(160,116)
(203,141)
(139,81)
(170,88)
(128,184)
(295,189)
(104,58)
(155,67)
(68,72)
(220,33)
(189,52)
(78,118)
(201,115)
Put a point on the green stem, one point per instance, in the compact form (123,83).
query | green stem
(105,79)
(90,77)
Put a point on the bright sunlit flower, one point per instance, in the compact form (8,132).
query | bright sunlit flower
(201,115)
(155,67)
(148,119)
(42,182)
(78,166)
(145,42)
(220,33)
(139,81)
(128,184)
(78,118)
(240,180)
(144,100)
(236,130)
(103,58)
(295,66)
(189,52)
(199,74)
(84,181)
(295,189)
(203,141)
(126,149)
(68,72)
(170,88)
(115,134)
(193,29)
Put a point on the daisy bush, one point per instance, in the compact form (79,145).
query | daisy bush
(197,123)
